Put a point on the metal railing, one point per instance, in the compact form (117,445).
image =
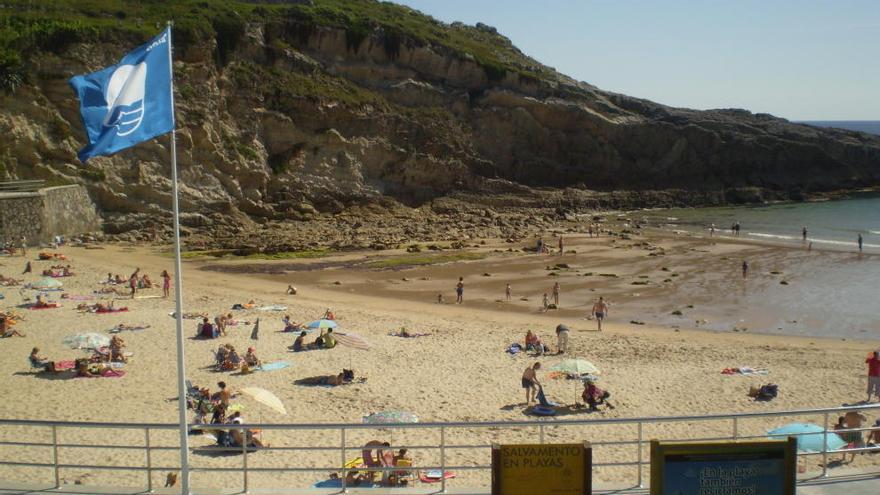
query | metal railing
(337,450)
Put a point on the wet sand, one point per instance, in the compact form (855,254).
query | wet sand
(458,373)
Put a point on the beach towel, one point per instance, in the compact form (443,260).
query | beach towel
(435,476)
(337,483)
(154,296)
(135,328)
(51,305)
(745,370)
(187,316)
(514,349)
(542,399)
(111,310)
(276,365)
(273,307)
(107,374)
(74,297)
(408,335)
(65,365)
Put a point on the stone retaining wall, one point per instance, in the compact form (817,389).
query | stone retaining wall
(41,215)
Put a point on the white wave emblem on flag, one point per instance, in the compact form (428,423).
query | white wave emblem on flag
(125,98)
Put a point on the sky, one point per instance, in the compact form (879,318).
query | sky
(797,59)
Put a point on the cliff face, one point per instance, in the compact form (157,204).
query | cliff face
(286,117)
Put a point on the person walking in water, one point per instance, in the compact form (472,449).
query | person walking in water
(459,290)
(804,233)
(507,292)
(861,241)
(600,311)
(712,230)
(556,294)
(745,268)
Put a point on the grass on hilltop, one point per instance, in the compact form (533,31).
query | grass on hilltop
(27,27)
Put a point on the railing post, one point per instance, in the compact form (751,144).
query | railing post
(342,459)
(735,428)
(442,459)
(55,455)
(639,448)
(149,460)
(825,449)
(244,465)
(541,434)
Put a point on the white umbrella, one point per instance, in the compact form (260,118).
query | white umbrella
(266,398)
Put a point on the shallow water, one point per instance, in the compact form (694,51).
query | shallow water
(831,288)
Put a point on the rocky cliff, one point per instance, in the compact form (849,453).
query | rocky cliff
(331,113)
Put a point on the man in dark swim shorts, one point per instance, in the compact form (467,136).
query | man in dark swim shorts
(530,382)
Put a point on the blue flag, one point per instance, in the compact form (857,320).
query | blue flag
(129,102)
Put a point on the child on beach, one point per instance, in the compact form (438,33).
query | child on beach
(545,303)
(459,290)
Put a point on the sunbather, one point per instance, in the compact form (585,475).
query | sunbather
(298,343)
(116,346)
(331,380)
(251,358)
(6,329)
(38,361)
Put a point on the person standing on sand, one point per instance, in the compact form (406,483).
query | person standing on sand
(861,241)
(600,311)
(556,294)
(561,245)
(166,283)
(804,233)
(545,303)
(133,282)
(873,363)
(745,268)
(540,247)
(712,230)
(561,339)
(23,246)
(530,382)
(507,292)
(459,290)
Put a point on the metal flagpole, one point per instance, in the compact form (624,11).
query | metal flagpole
(178,297)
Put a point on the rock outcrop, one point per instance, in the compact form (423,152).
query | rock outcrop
(286,117)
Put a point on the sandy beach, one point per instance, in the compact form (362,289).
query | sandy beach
(661,365)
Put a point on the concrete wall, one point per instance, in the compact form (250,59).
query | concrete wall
(63,210)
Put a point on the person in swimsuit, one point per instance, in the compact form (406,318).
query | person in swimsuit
(561,246)
(507,292)
(861,241)
(459,290)
(166,283)
(745,269)
(556,294)
(600,311)
(530,382)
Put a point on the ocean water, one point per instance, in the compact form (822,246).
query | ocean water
(869,126)
(833,225)
(831,289)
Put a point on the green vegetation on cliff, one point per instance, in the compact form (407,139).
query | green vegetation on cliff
(27,27)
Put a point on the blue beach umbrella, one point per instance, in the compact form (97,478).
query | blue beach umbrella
(322,324)
(810,438)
